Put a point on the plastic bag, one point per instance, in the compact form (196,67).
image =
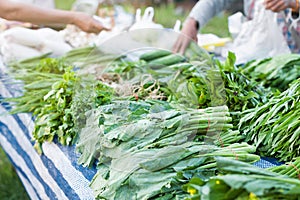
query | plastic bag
(12,51)
(145,21)
(20,43)
(22,36)
(259,38)
(235,23)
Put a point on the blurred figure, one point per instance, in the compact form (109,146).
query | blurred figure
(204,10)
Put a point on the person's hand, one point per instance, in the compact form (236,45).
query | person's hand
(189,32)
(279,5)
(87,23)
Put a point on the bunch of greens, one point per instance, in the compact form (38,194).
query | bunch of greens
(276,72)
(131,125)
(242,92)
(37,80)
(54,117)
(291,169)
(239,180)
(49,90)
(275,126)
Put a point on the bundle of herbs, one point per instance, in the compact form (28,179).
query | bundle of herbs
(242,93)
(275,126)
(47,95)
(291,169)
(48,92)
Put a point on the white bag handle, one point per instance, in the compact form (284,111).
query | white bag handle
(138,17)
(177,25)
(148,14)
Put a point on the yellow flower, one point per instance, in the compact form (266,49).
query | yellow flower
(252,196)
(218,182)
(192,191)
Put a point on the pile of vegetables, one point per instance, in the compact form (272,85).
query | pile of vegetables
(160,74)
(275,126)
(129,126)
(140,147)
(195,82)
(167,126)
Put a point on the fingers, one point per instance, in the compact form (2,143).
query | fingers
(176,46)
(181,44)
(184,45)
(98,27)
(188,33)
(88,24)
(276,5)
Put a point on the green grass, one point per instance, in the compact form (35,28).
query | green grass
(218,26)
(65,4)
(167,16)
(11,187)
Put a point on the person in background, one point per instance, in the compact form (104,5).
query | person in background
(204,10)
(23,12)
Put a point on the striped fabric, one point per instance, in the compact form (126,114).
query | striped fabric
(53,175)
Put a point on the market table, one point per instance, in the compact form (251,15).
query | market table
(55,174)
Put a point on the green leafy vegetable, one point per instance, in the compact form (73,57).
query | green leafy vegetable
(274,126)
(276,72)
(239,180)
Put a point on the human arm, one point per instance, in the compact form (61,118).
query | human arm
(37,15)
(201,13)
(279,5)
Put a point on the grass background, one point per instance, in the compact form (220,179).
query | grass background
(10,186)
(168,14)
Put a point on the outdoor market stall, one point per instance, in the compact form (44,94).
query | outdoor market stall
(130,119)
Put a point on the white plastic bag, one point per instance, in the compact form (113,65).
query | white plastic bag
(259,38)
(50,34)
(13,51)
(145,21)
(20,43)
(22,36)
(55,48)
(235,23)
